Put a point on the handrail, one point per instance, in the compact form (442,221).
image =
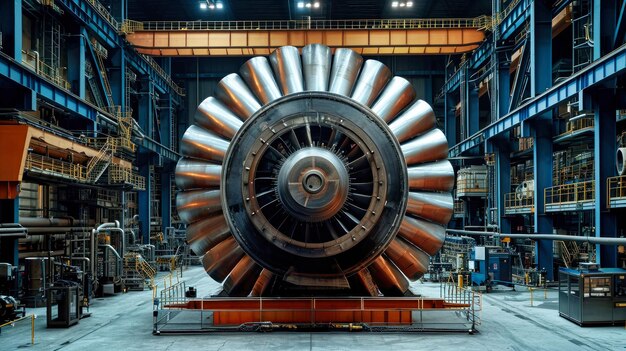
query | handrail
(570,193)
(615,189)
(32,325)
(517,200)
(480,22)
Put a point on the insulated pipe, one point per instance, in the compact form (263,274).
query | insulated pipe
(560,237)
(118,267)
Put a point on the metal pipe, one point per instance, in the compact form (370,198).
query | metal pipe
(85,259)
(559,237)
(56,230)
(119,258)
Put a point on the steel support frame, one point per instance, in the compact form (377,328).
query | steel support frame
(9,213)
(146,118)
(604,148)
(76,63)
(502,150)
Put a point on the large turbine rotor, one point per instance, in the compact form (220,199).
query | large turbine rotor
(314,174)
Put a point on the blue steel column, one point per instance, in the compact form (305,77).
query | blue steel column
(11,27)
(604,23)
(604,148)
(502,150)
(540,47)
(117,77)
(449,119)
(9,213)
(542,163)
(470,100)
(504,87)
(144,113)
(76,64)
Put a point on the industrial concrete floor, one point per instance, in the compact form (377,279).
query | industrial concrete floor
(124,322)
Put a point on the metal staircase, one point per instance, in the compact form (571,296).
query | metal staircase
(569,253)
(101,55)
(91,79)
(137,271)
(99,163)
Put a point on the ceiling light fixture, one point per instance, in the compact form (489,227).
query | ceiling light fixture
(316,5)
(211,6)
(219,5)
(308,5)
(300,4)
(394,4)
(203,6)
(409,4)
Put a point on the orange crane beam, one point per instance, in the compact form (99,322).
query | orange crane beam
(397,41)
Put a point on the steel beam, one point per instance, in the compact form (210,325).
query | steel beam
(542,163)
(604,22)
(515,19)
(76,64)
(415,41)
(607,67)
(11,27)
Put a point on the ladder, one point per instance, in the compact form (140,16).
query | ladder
(100,56)
(95,92)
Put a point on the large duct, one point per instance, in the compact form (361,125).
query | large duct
(299,174)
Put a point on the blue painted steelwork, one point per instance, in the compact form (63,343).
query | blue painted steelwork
(166,202)
(540,47)
(76,64)
(542,163)
(502,152)
(604,148)
(481,54)
(607,67)
(449,120)
(11,27)
(514,20)
(94,64)
(620,27)
(9,253)
(454,82)
(47,90)
(107,32)
(145,197)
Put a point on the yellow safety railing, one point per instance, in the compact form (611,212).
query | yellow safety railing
(30,317)
(615,189)
(579,124)
(480,22)
(471,183)
(123,175)
(570,193)
(104,12)
(519,201)
(36,162)
(459,208)
(45,70)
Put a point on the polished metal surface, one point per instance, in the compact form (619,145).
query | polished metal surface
(373,78)
(388,277)
(205,234)
(196,174)
(435,207)
(241,279)
(313,184)
(316,61)
(235,94)
(346,67)
(408,258)
(414,120)
(215,116)
(287,69)
(197,204)
(220,260)
(200,143)
(291,181)
(262,283)
(435,176)
(426,235)
(397,95)
(258,75)
(428,147)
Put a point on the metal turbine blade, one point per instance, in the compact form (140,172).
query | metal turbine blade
(241,279)
(258,75)
(416,119)
(197,204)
(200,143)
(219,261)
(396,96)
(431,146)
(409,259)
(316,61)
(426,235)
(214,116)
(388,277)
(234,93)
(435,176)
(435,207)
(205,234)
(373,78)
(196,174)
(346,67)
(287,69)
